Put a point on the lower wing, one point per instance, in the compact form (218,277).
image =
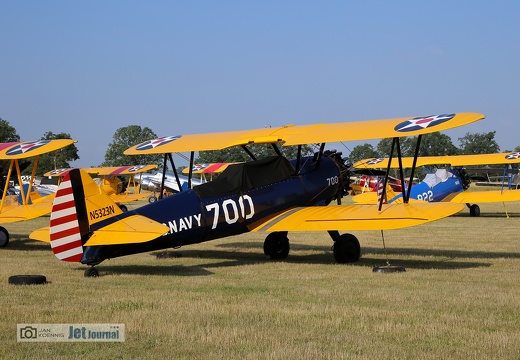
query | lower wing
(358,217)
(471,197)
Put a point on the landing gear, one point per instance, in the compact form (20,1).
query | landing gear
(276,245)
(91,272)
(4,237)
(123,208)
(346,249)
(474,210)
(152,199)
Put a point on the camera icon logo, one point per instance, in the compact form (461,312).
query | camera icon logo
(28,332)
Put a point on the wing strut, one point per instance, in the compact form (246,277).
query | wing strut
(416,155)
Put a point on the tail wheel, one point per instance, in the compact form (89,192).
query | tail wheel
(4,237)
(91,272)
(347,249)
(474,210)
(276,246)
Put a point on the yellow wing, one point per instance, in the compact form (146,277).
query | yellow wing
(472,197)
(122,170)
(16,212)
(25,149)
(358,217)
(131,230)
(454,160)
(306,134)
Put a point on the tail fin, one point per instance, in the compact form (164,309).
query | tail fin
(79,202)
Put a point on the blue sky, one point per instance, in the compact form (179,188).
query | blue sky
(88,68)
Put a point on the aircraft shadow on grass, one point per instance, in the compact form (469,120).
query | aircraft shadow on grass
(240,258)
(153,270)
(21,242)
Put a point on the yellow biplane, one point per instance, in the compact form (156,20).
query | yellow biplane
(109,178)
(29,204)
(271,194)
(446,185)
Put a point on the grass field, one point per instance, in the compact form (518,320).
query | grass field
(458,299)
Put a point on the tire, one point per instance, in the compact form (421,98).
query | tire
(152,199)
(27,279)
(347,249)
(4,237)
(123,208)
(276,246)
(474,210)
(91,272)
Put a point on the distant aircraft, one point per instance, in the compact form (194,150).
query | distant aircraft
(112,180)
(168,181)
(447,185)
(29,204)
(206,169)
(272,194)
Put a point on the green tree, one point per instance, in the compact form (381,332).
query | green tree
(237,154)
(479,143)
(7,132)
(360,152)
(55,159)
(433,144)
(125,138)
(517,149)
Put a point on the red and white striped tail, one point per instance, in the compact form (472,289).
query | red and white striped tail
(380,189)
(64,226)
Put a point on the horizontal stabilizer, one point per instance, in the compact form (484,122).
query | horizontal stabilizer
(41,234)
(472,197)
(359,217)
(130,230)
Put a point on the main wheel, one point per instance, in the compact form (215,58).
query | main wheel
(474,210)
(4,237)
(123,208)
(276,246)
(91,272)
(347,249)
(152,199)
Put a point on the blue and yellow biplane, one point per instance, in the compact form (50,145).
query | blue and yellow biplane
(443,184)
(29,204)
(271,194)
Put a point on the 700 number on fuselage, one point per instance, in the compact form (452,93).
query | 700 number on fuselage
(233,210)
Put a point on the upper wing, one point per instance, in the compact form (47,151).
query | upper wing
(306,134)
(123,170)
(358,217)
(454,160)
(25,149)
(206,168)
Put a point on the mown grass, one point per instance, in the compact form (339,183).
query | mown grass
(459,297)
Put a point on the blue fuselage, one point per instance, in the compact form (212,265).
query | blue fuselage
(435,192)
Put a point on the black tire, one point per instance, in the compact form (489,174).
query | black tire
(123,208)
(276,246)
(4,237)
(347,249)
(152,199)
(27,279)
(91,272)
(474,210)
